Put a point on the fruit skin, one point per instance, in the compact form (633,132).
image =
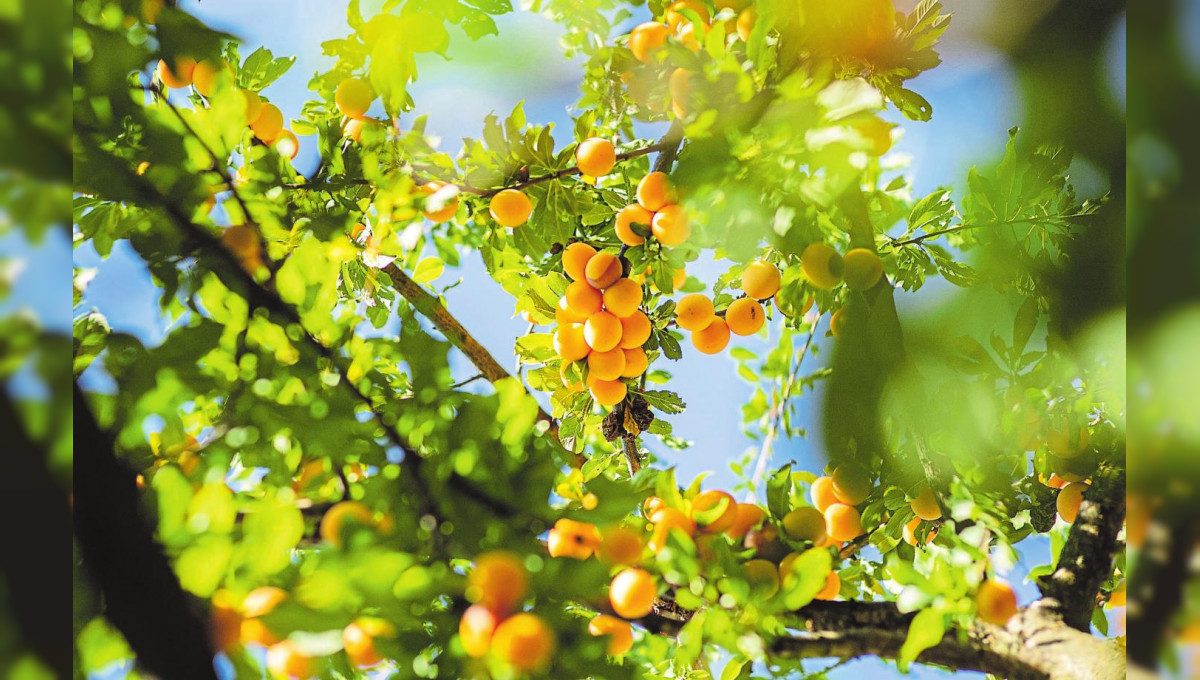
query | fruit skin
(475,630)
(524,641)
(205,74)
(654,192)
(602,331)
(498,581)
(679,85)
(761,280)
(603,270)
(180,75)
(745,316)
(805,524)
(833,584)
(1058,440)
(666,519)
(629,216)
(595,157)
(608,365)
(862,269)
(910,532)
(996,602)
(837,322)
(254,105)
(449,207)
(619,545)
(510,208)
(225,621)
(842,522)
(570,342)
(353,97)
(763,577)
(583,300)
(925,505)
(822,493)
(607,393)
(851,485)
(564,315)
(749,516)
(694,312)
(671,225)
(354,127)
(619,632)
(635,330)
(574,539)
(822,266)
(714,337)
(269,123)
(334,521)
(632,593)
(646,38)
(575,258)
(287,144)
(636,362)
(707,501)
(765,543)
(1070,498)
(1117,598)
(260,602)
(674,16)
(745,23)
(360,646)
(284,660)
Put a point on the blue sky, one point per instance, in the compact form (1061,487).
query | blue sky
(975,100)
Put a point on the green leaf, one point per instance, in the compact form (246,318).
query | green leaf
(428,269)
(779,489)
(667,402)
(805,577)
(927,629)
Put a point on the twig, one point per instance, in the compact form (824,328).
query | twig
(468,381)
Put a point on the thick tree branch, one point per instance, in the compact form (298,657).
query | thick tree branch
(1157,585)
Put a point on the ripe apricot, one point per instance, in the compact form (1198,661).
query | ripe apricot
(524,641)
(714,511)
(602,270)
(285,660)
(862,269)
(619,632)
(354,127)
(910,532)
(631,593)
(842,522)
(822,493)
(242,241)
(179,75)
(925,505)
(570,342)
(804,524)
(694,312)
(583,300)
(607,392)
(510,208)
(268,124)
(619,545)
(760,280)
(822,266)
(574,539)
(498,581)
(679,86)
(608,365)
(287,144)
(627,217)
(636,362)
(996,602)
(1055,482)
(475,630)
(623,298)
(833,585)
(334,522)
(595,157)
(666,519)
(253,104)
(745,316)
(256,631)
(1065,443)
(671,225)
(647,38)
(262,600)
(353,97)
(360,646)
(575,258)
(654,192)
(674,15)
(564,315)
(763,577)
(713,338)
(749,516)
(1117,598)
(225,621)
(449,205)
(745,23)
(205,76)
(602,331)
(851,484)
(1070,498)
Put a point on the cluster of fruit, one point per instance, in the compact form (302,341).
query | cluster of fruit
(599,321)
(647,38)
(497,586)
(744,316)
(824,269)
(656,213)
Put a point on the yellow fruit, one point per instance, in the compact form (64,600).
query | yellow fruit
(713,338)
(833,584)
(564,315)
(449,206)
(608,365)
(760,280)
(602,270)
(636,362)
(510,208)
(714,511)
(178,76)
(475,630)
(749,516)
(574,539)
(619,545)
(862,269)
(805,524)
(694,312)
(822,266)
(360,646)
(822,493)
(254,105)
(629,216)
(837,322)
(654,192)
(524,641)
(1117,598)
(284,660)
(996,602)
(498,581)
(925,505)
(878,132)
(763,577)
(205,76)
(570,342)
(582,299)
(679,85)
(842,522)
(607,393)
(575,258)
(353,97)
(647,38)
(671,225)
(635,330)
(851,485)
(910,532)
(674,15)
(268,124)
(595,157)
(745,23)
(262,601)
(745,316)
(333,524)
(287,144)
(1070,498)
(602,331)
(620,633)
(1064,443)
(632,593)
(623,298)
(666,519)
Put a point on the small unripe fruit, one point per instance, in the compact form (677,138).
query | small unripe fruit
(862,269)
(510,208)
(805,524)
(523,641)
(745,316)
(353,97)
(629,216)
(763,577)
(632,593)
(671,225)
(602,270)
(694,312)
(595,157)
(654,192)
(607,393)
(647,38)
(602,331)
(925,505)
(842,522)
(575,258)
(837,322)
(620,633)
(761,279)
(714,337)
(635,330)
(996,602)
(822,266)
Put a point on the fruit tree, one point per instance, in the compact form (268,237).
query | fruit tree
(294,482)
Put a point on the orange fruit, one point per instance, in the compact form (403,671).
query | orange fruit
(925,505)
(745,316)
(647,38)
(602,270)
(360,646)
(608,365)
(225,621)
(629,216)
(333,523)
(674,15)
(694,312)
(595,157)
(524,641)
(619,545)
(671,225)
(255,631)
(851,485)
(570,342)
(749,516)
(498,581)
(602,331)
(269,123)
(822,266)
(475,630)
(354,127)
(654,192)
(449,206)
(635,330)
(607,393)
(745,23)
(632,593)
(510,208)
(253,103)
(1069,500)
(619,632)
(842,522)
(205,76)
(623,298)
(862,269)
(636,362)
(353,97)
(651,505)
(1117,598)
(583,300)
(910,532)
(574,539)
(833,584)
(996,602)
(679,85)
(713,338)
(575,258)
(805,524)
(262,601)
(714,511)
(286,144)
(666,519)
(822,493)
(284,660)
(179,75)
(564,315)
(760,280)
